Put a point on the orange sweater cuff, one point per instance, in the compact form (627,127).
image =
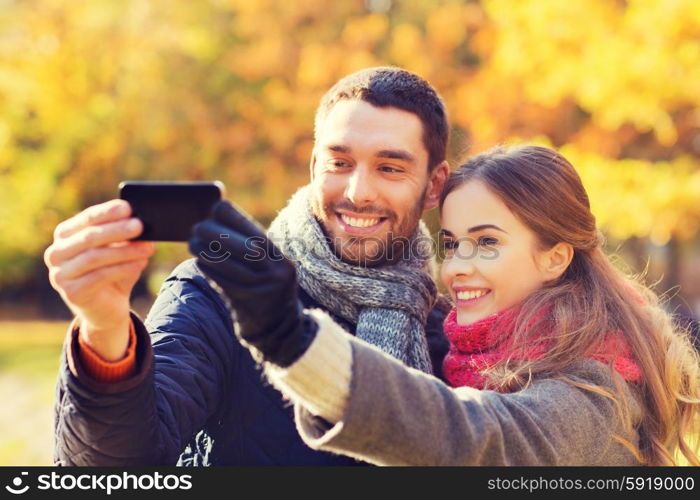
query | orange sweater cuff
(109,371)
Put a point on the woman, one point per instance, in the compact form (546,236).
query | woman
(556,358)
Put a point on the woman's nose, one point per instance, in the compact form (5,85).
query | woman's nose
(460,263)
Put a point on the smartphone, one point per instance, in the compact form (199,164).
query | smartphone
(170,209)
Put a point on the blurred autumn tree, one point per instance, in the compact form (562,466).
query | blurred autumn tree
(94,92)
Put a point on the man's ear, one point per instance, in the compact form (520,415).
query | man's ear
(312,164)
(437,180)
(556,260)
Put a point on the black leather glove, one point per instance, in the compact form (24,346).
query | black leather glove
(260,283)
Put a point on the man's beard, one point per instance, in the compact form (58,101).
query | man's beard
(370,251)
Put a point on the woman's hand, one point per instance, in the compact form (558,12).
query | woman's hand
(259,282)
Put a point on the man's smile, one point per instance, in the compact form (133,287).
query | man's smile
(353,223)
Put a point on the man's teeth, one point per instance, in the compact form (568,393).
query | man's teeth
(470,294)
(358,222)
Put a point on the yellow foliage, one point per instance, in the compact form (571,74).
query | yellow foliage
(318,65)
(260,59)
(366,31)
(446,26)
(95,92)
(407,47)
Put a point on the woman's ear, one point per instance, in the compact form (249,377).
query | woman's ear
(556,260)
(437,180)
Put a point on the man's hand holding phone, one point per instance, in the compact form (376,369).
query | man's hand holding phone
(99,254)
(94,266)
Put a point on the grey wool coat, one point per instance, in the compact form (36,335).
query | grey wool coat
(399,416)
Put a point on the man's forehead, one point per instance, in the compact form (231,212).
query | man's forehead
(347,110)
(355,122)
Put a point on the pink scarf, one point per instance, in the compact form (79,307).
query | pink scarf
(482,344)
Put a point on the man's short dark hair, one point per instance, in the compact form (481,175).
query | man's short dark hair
(388,86)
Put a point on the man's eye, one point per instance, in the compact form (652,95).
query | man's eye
(389,169)
(336,163)
(487,241)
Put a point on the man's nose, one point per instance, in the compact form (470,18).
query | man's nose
(360,189)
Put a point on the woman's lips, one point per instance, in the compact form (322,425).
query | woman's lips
(467,298)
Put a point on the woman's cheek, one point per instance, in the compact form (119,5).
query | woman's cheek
(489,254)
(444,275)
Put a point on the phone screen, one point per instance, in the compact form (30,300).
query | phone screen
(169,210)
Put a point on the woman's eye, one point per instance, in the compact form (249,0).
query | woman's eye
(487,241)
(450,245)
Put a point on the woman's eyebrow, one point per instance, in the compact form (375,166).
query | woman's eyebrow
(447,233)
(485,226)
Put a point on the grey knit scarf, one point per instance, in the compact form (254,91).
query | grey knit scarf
(389,304)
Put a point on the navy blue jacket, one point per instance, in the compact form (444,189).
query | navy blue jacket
(197,398)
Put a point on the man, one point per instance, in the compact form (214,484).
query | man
(180,388)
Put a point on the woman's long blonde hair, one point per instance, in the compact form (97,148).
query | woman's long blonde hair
(591,299)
